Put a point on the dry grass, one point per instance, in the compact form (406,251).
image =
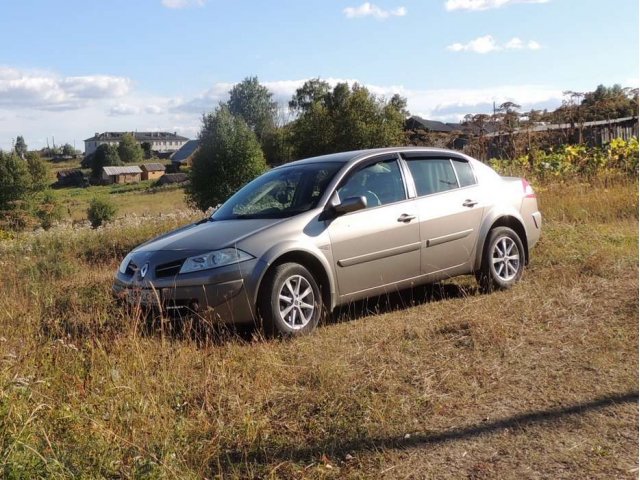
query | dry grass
(537,382)
(139,199)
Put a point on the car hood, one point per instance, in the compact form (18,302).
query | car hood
(209,235)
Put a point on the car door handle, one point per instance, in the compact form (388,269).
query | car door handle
(406,218)
(469,203)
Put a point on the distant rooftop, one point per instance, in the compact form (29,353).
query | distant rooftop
(139,136)
(121,170)
(153,167)
(183,154)
(416,122)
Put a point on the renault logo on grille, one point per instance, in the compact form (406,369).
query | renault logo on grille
(144,270)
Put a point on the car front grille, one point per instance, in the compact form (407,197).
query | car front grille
(170,269)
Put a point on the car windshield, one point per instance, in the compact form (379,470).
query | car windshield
(282,192)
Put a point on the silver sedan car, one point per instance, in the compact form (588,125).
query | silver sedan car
(311,235)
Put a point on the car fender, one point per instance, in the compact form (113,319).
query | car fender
(493,215)
(279,250)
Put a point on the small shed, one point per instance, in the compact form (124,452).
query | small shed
(71,178)
(121,174)
(152,171)
(173,178)
(185,154)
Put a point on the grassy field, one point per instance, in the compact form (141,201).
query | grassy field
(140,198)
(537,382)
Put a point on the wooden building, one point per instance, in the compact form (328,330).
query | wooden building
(152,171)
(131,174)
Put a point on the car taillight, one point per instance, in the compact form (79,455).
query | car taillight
(528,189)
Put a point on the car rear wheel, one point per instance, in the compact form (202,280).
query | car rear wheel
(290,302)
(502,260)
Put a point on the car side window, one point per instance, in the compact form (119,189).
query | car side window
(380,183)
(433,175)
(464,172)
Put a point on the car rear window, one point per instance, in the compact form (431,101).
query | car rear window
(433,175)
(465,172)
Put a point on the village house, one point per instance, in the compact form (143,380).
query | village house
(185,155)
(130,174)
(152,171)
(163,142)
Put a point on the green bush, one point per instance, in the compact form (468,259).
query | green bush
(100,211)
(618,159)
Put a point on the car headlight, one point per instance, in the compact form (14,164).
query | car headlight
(215,259)
(125,263)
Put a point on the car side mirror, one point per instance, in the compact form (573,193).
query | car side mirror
(336,208)
(350,204)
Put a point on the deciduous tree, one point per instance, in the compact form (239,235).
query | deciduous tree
(20,147)
(129,149)
(345,118)
(254,103)
(104,156)
(228,157)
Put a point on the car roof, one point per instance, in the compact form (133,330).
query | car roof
(354,155)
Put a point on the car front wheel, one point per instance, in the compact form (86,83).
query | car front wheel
(290,303)
(502,260)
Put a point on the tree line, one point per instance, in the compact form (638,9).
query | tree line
(248,133)
(245,135)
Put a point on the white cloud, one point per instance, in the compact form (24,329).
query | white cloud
(47,91)
(177,4)
(153,109)
(451,5)
(123,109)
(370,10)
(514,44)
(487,43)
(483,44)
(533,45)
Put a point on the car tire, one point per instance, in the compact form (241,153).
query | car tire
(290,302)
(503,260)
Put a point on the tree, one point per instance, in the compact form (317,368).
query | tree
(254,103)
(605,103)
(129,149)
(15,181)
(68,150)
(345,118)
(313,91)
(104,156)
(229,156)
(38,172)
(146,148)
(20,146)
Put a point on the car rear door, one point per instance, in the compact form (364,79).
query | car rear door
(450,207)
(379,245)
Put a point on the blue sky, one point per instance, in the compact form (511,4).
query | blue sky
(72,68)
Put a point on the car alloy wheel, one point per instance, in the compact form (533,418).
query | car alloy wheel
(505,259)
(290,302)
(502,260)
(296,302)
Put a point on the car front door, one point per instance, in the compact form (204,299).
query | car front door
(450,206)
(379,245)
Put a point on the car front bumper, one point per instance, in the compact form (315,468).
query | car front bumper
(221,296)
